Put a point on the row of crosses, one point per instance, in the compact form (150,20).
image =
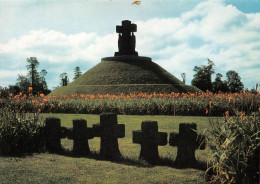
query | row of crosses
(187,140)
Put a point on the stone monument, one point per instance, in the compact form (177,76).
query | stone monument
(126,44)
(126,40)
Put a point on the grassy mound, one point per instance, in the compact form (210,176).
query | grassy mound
(125,74)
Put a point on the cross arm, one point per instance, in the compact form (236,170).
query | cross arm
(162,138)
(96,129)
(174,138)
(137,137)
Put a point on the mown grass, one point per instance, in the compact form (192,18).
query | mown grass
(53,168)
(132,74)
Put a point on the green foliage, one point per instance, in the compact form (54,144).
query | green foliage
(23,83)
(64,79)
(77,72)
(234,150)
(234,82)
(19,132)
(202,77)
(34,79)
(219,85)
(141,104)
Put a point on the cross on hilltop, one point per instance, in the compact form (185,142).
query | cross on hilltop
(126,40)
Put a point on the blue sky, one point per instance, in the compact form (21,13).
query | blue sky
(177,34)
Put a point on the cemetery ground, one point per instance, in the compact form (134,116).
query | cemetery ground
(65,168)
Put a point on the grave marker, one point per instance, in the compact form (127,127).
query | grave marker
(109,131)
(187,141)
(80,134)
(150,139)
(54,132)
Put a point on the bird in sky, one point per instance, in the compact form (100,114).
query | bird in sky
(136,2)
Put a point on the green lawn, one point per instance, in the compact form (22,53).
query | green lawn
(52,168)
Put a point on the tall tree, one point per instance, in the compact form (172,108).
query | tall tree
(64,79)
(183,75)
(32,64)
(234,82)
(219,85)
(43,82)
(77,72)
(202,76)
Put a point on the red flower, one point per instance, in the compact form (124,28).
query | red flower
(227,113)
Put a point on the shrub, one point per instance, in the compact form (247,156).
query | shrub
(234,150)
(19,132)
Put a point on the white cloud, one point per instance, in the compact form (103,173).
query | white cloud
(212,30)
(57,47)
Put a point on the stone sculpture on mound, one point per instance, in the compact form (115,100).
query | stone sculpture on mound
(126,40)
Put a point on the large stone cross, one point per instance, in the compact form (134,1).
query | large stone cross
(109,131)
(187,141)
(80,134)
(150,139)
(54,132)
(126,40)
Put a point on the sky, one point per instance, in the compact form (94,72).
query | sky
(176,34)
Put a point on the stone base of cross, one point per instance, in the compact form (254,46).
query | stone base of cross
(109,131)
(80,134)
(187,141)
(150,139)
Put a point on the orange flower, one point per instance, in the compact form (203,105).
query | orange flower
(227,113)
(210,103)
(33,102)
(41,95)
(45,101)
(10,94)
(39,110)
(242,116)
(30,88)
(136,2)
(207,111)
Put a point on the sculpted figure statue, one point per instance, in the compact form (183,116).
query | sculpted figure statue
(126,40)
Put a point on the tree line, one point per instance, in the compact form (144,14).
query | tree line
(34,81)
(202,79)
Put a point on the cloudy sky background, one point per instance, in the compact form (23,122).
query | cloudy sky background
(177,34)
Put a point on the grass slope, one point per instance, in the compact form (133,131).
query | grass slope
(131,74)
(52,168)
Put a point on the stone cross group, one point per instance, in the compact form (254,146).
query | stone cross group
(187,140)
(126,40)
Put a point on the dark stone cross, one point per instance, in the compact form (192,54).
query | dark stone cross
(187,141)
(150,139)
(80,134)
(109,131)
(126,40)
(54,132)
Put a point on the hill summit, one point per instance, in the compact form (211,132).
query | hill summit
(126,72)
